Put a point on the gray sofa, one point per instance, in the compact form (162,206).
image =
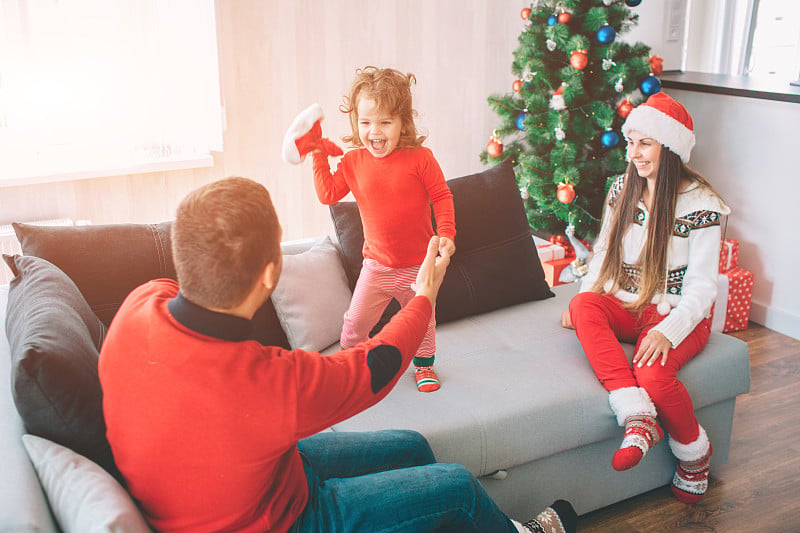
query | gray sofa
(517,396)
(519,404)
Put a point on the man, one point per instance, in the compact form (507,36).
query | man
(213,431)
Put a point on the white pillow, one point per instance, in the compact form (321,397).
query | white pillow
(312,296)
(83,496)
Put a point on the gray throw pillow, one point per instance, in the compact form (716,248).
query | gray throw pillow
(54,340)
(82,496)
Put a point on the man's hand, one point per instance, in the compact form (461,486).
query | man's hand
(653,347)
(446,246)
(431,272)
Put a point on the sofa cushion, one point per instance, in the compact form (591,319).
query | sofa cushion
(312,296)
(107,262)
(54,340)
(495,264)
(82,496)
(544,398)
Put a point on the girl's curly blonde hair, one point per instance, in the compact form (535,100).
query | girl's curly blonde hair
(391,90)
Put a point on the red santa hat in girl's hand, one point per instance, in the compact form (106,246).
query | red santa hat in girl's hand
(664,120)
(305,135)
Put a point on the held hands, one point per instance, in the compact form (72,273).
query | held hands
(446,246)
(653,347)
(431,272)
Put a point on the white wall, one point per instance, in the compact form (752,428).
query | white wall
(747,149)
(662,27)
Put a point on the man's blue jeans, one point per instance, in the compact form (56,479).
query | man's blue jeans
(389,481)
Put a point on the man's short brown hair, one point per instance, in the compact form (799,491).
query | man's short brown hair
(224,235)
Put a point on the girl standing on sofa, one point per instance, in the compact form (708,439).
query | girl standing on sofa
(395,181)
(652,281)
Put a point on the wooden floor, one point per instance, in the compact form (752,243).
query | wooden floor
(758,490)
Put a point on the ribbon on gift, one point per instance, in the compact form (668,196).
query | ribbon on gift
(728,255)
(548,251)
(720,304)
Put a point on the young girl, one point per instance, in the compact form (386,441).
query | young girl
(395,181)
(653,280)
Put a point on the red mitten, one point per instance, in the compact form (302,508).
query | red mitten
(305,135)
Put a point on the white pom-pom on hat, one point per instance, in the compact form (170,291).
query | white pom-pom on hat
(300,126)
(665,120)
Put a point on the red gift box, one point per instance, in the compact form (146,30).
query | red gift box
(735,294)
(552,270)
(728,255)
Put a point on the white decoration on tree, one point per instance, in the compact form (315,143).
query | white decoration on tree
(551,44)
(557,101)
(608,64)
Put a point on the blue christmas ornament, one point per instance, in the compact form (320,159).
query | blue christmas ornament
(609,139)
(633,3)
(650,85)
(606,34)
(521,121)
(551,20)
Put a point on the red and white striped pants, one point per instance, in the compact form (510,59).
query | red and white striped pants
(377,285)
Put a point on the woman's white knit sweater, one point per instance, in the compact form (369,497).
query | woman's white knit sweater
(693,258)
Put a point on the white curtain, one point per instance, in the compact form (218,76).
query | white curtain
(92,87)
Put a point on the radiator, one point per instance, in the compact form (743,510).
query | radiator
(10,245)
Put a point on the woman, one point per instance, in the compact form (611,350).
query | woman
(653,281)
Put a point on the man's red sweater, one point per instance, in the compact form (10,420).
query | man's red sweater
(203,424)
(394,196)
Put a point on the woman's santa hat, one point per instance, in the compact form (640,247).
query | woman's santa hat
(664,120)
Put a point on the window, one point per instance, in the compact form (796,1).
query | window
(744,37)
(95,88)
(775,48)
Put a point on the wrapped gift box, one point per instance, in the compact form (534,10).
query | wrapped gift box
(547,250)
(552,270)
(728,255)
(734,296)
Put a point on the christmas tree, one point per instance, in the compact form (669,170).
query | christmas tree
(560,124)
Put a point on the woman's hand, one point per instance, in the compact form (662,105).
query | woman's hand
(653,347)
(566,320)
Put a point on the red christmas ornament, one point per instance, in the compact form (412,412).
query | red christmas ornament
(517,85)
(565,193)
(495,146)
(564,17)
(656,65)
(525,13)
(624,108)
(578,59)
